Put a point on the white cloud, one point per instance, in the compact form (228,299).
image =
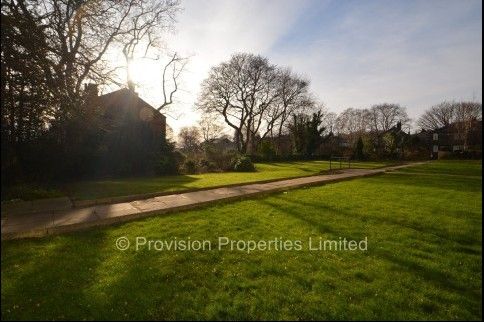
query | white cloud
(211,31)
(359,54)
(381,53)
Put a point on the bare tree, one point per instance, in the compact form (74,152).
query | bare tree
(352,123)
(147,22)
(210,127)
(466,114)
(329,122)
(293,97)
(352,120)
(172,70)
(438,116)
(189,139)
(460,115)
(242,91)
(73,37)
(383,117)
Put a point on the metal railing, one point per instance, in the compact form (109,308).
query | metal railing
(340,160)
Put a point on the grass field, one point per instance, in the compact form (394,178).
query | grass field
(424,258)
(265,171)
(122,187)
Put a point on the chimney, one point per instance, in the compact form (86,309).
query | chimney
(132,88)
(91,90)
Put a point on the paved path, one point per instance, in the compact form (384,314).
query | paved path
(40,224)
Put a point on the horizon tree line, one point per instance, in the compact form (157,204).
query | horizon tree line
(257,100)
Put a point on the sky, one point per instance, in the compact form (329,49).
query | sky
(355,53)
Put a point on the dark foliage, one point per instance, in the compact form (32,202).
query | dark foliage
(307,133)
(244,164)
(359,153)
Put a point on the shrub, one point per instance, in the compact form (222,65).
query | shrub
(359,154)
(206,165)
(169,160)
(223,160)
(166,165)
(267,151)
(190,166)
(244,164)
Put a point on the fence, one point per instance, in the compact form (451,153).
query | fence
(340,160)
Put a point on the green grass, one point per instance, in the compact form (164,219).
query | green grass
(424,258)
(30,192)
(265,171)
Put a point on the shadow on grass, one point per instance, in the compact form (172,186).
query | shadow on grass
(463,239)
(436,181)
(51,274)
(437,277)
(123,187)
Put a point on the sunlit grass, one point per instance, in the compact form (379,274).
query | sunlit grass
(265,171)
(424,258)
(94,189)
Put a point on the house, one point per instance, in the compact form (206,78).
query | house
(395,140)
(125,104)
(456,138)
(131,132)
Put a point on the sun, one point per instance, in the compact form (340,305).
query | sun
(146,72)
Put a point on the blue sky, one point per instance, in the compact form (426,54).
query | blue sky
(356,53)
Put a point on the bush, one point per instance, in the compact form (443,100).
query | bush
(223,160)
(206,165)
(267,151)
(169,160)
(190,166)
(166,165)
(244,164)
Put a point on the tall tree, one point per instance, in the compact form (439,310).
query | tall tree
(50,48)
(466,115)
(438,116)
(145,26)
(189,139)
(210,127)
(293,98)
(254,97)
(307,133)
(381,118)
(243,92)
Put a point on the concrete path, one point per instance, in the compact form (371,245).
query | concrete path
(41,224)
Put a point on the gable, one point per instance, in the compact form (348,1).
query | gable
(126,104)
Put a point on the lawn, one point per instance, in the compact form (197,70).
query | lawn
(424,257)
(265,171)
(106,188)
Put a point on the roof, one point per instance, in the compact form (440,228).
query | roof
(126,98)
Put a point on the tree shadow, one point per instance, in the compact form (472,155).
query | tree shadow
(436,181)
(128,186)
(47,274)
